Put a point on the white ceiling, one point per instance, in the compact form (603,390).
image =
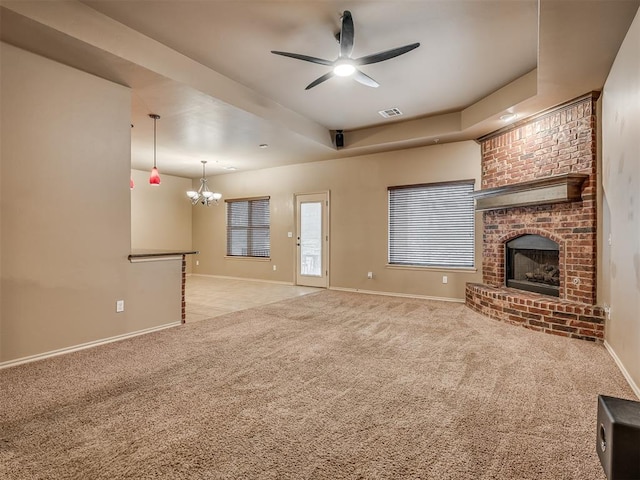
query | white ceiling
(206,68)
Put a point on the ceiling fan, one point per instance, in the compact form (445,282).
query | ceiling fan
(344,65)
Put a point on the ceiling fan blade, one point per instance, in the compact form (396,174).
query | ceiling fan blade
(318,81)
(386,55)
(364,79)
(306,58)
(346,35)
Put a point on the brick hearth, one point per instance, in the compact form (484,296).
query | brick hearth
(537,312)
(559,141)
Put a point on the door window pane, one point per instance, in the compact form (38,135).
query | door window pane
(311,239)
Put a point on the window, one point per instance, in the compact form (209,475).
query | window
(432,225)
(248,231)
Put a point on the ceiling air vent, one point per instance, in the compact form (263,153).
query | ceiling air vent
(390,112)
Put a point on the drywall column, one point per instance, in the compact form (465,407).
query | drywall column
(65,222)
(620,259)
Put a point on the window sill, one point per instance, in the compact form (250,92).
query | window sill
(432,269)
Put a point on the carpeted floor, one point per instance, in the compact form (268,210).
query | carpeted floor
(331,385)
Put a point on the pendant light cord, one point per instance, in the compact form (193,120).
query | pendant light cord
(155,119)
(154,141)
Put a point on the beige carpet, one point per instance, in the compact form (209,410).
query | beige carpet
(327,386)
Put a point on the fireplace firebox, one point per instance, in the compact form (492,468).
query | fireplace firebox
(532,263)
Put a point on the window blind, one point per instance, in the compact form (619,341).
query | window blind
(432,225)
(248,228)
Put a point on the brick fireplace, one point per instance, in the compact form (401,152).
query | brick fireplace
(539,183)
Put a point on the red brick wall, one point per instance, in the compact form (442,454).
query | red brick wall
(562,140)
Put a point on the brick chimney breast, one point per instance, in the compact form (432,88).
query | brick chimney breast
(559,141)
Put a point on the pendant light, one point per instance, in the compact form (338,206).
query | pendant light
(204,195)
(154,179)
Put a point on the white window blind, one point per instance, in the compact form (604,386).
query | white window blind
(432,225)
(248,229)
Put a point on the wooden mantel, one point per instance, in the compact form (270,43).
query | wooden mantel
(544,191)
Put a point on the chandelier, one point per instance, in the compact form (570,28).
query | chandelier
(203,195)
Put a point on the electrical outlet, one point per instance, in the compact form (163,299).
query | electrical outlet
(445,279)
(197,263)
(275,268)
(119,306)
(290,234)
(369,275)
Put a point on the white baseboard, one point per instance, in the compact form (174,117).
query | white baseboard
(239,278)
(75,348)
(395,294)
(616,359)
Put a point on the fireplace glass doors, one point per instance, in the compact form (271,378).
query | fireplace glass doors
(532,263)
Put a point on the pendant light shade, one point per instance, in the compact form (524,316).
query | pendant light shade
(204,195)
(154,179)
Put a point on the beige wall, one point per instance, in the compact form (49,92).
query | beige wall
(161,214)
(66,215)
(358,218)
(620,261)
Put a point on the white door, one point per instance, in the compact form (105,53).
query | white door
(312,239)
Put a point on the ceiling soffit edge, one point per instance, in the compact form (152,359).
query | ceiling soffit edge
(478,119)
(98,30)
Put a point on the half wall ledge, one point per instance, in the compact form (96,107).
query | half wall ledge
(156,255)
(537,312)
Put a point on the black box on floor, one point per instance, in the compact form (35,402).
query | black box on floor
(618,437)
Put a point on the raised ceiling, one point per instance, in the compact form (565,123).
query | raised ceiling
(206,68)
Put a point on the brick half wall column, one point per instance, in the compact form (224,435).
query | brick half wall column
(184,288)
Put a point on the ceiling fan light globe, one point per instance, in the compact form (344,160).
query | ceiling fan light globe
(344,69)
